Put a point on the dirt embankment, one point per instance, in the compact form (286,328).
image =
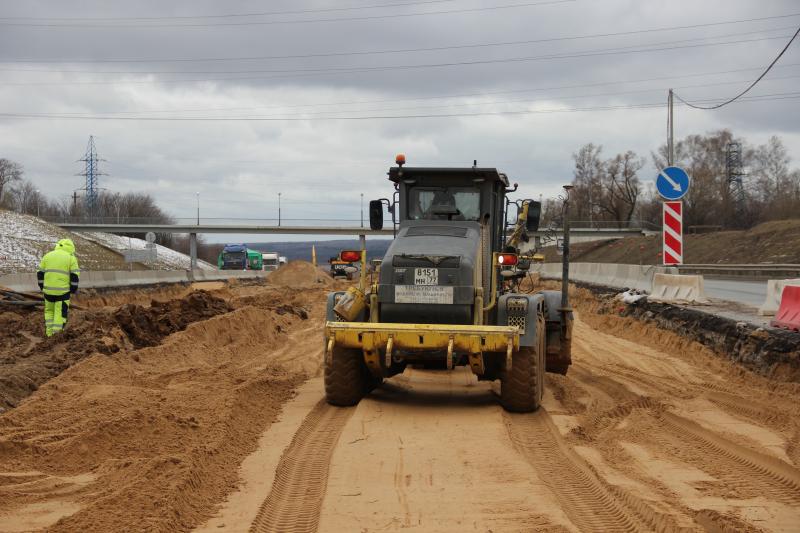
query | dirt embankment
(771,242)
(28,359)
(150,439)
(772,353)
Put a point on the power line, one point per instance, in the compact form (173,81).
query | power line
(456,105)
(466,95)
(300,73)
(407,50)
(769,67)
(262,71)
(233,15)
(758,98)
(281,22)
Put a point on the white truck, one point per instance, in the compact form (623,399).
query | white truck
(270,261)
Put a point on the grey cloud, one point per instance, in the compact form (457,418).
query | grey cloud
(240,166)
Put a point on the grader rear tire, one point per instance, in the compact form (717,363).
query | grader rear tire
(522,386)
(347,378)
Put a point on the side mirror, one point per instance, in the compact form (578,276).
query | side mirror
(376,214)
(534,212)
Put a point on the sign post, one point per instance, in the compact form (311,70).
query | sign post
(672,184)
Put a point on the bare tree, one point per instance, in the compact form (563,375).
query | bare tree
(587,182)
(10,173)
(620,187)
(775,186)
(26,198)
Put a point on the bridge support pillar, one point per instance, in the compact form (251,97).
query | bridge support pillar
(193,251)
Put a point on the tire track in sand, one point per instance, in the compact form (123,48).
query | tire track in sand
(583,497)
(295,499)
(740,466)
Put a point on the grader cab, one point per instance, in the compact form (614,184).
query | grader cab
(445,294)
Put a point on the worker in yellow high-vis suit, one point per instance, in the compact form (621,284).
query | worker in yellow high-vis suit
(58,277)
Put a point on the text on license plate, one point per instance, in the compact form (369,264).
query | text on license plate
(426,276)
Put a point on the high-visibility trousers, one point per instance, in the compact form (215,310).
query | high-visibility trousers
(55,316)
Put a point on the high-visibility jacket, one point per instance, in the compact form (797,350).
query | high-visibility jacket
(58,273)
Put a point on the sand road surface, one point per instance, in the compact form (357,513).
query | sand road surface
(648,432)
(634,439)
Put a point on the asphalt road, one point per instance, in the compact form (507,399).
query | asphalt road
(746,292)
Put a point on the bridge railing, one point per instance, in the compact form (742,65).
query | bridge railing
(231,221)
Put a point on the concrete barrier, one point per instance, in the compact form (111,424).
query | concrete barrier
(774,291)
(26,282)
(669,288)
(788,315)
(620,276)
(23,282)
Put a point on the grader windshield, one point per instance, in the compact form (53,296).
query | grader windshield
(444,203)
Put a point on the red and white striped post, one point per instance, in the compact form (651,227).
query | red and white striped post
(673,233)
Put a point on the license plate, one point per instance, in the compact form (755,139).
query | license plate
(423,294)
(426,276)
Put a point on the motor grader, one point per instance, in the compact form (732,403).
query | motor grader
(447,292)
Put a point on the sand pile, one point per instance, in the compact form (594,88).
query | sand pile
(299,274)
(150,439)
(27,359)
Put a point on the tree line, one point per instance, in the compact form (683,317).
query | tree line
(619,191)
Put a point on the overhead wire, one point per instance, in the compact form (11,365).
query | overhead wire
(300,73)
(283,22)
(757,98)
(234,15)
(443,106)
(407,50)
(460,95)
(263,71)
(749,87)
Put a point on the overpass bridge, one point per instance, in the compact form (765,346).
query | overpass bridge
(194,229)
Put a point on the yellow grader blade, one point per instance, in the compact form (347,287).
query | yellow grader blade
(371,338)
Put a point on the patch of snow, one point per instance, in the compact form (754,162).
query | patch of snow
(23,240)
(166,258)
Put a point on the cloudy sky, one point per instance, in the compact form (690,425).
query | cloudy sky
(241,100)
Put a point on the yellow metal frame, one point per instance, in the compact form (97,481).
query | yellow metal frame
(370,337)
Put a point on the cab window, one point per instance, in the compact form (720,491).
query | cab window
(444,203)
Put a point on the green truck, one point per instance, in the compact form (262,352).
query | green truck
(239,257)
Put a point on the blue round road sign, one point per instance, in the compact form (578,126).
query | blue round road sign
(672,183)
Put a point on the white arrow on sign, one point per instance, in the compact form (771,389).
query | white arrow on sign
(672,182)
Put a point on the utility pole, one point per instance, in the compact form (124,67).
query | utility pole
(362,209)
(37,203)
(279,209)
(670,132)
(565,257)
(198,207)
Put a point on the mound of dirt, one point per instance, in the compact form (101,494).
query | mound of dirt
(27,359)
(771,242)
(147,326)
(150,439)
(299,274)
